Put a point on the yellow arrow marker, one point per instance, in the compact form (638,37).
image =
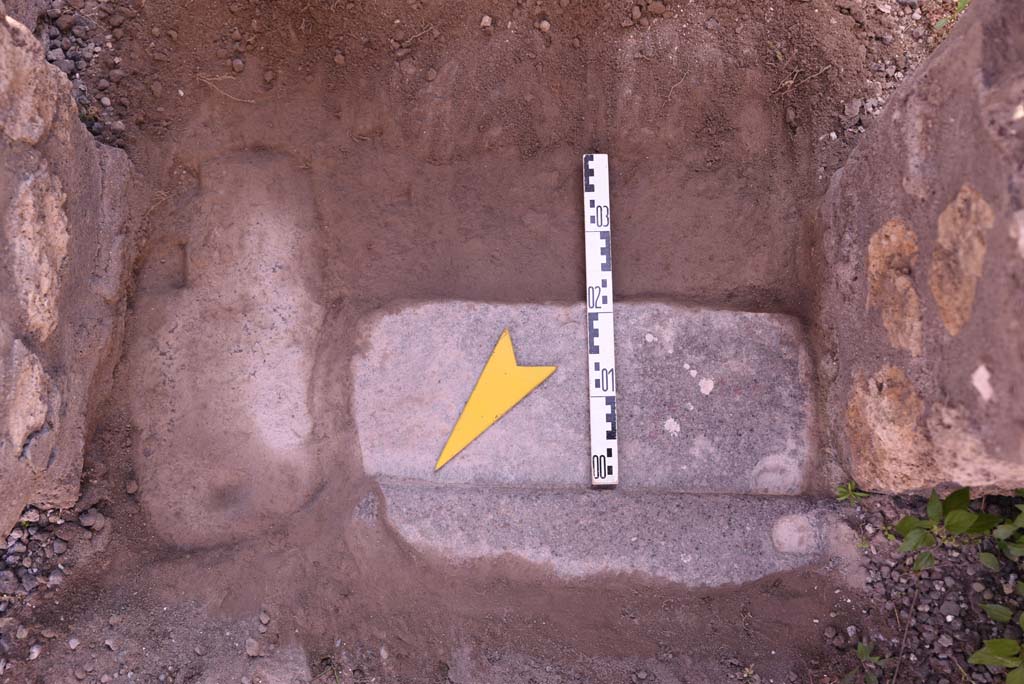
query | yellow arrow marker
(503,383)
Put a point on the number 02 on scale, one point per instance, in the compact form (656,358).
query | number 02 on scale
(597,232)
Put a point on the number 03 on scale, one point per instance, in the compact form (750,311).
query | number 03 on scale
(597,231)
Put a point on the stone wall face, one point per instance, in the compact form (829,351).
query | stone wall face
(64,251)
(919,328)
(26,11)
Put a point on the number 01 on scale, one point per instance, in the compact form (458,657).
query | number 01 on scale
(597,232)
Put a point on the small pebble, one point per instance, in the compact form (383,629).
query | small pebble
(237,65)
(92,519)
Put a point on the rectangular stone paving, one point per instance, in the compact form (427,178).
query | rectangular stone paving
(696,540)
(709,401)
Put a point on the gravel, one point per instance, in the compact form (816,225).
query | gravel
(933,617)
(82,40)
(32,558)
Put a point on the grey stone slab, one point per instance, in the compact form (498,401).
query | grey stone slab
(695,540)
(708,401)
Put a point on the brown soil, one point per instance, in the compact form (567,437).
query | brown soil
(434,159)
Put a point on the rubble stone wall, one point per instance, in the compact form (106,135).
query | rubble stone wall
(65,246)
(919,331)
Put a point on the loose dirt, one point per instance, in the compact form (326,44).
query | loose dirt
(347,156)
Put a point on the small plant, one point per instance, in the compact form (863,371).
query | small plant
(868,666)
(1001,653)
(850,493)
(949,521)
(1009,535)
(961,5)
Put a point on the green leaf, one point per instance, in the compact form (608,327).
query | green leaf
(916,539)
(924,561)
(909,523)
(864,650)
(959,500)
(934,507)
(1015,676)
(998,613)
(1013,550)
(959,521)
(989,560)
(980,658)
(1004,531)
(940,23)
(1020,620)
(1002,647)
(985,522)
(998,653)
(1020,586)
(870,678)
(962,5)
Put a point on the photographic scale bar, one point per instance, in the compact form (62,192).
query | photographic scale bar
(597,227)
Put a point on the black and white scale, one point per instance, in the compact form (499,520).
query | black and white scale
(597,230)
